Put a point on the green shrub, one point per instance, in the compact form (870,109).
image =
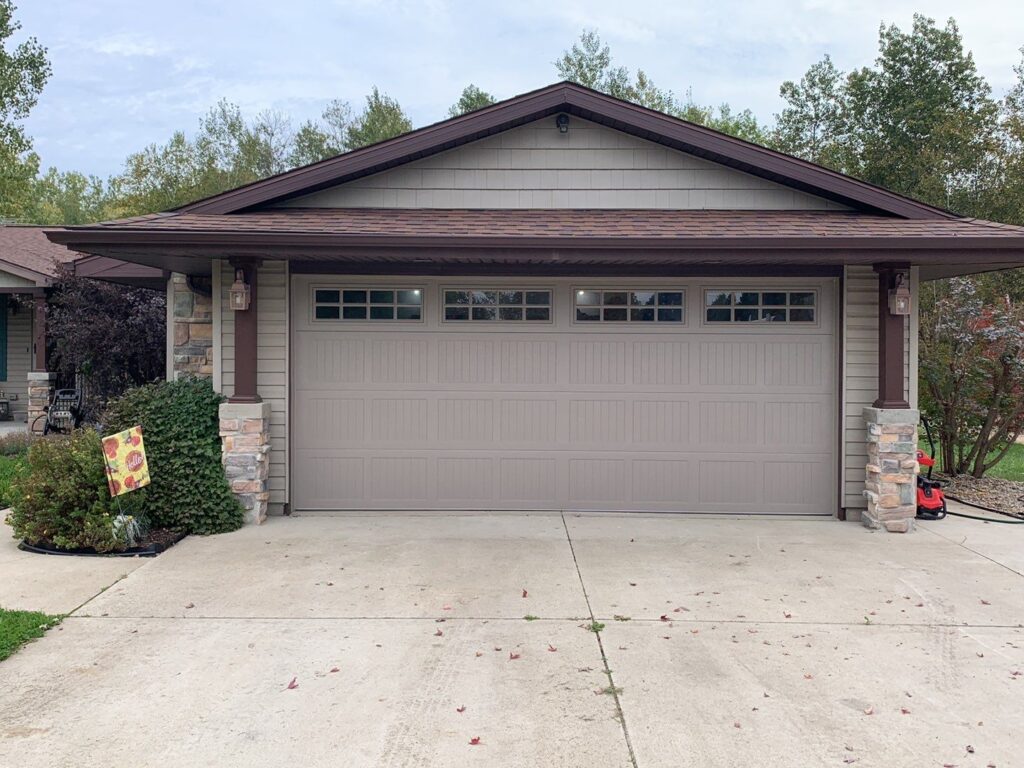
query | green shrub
(61,496)
(181,432)
(10,467)
(16,443)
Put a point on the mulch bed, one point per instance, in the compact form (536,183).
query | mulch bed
(153,543)
(992,492)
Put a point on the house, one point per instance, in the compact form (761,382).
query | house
(29,265)
(562,301)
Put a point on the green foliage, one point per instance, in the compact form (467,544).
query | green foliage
(589,63)
(19,627)
(188,490)
(61,497)
(972,375)
(382,118)
(10,468)
(921,121)
(472,99)
(24,70)
(16,443)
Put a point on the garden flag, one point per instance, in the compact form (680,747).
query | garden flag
(125,456)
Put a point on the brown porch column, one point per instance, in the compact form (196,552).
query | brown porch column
(246,340)
(245,418)
(891,425)
(890,343)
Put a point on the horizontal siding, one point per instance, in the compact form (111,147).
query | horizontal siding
(19,359)
(591,166)
(272,366)
(860,374)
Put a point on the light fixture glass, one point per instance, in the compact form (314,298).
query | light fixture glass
(240,294)
(899,296)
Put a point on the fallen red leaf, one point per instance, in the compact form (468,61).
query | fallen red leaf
(293,684)
(808,677)
(869,711)
(335,669)
(475,741)
(439,633)
(513,656)
(664,617)
(525,593)
(904,711)
(970,749)
(737,724)
(551,648)
(479,654)
(985,602)
(787,614)
(191,605)
(461,709)
(446,607)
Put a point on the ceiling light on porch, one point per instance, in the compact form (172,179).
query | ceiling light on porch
(899,296)
(240,293)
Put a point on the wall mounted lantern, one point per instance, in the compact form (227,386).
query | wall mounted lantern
(240,294)
(562,121)
(899,296)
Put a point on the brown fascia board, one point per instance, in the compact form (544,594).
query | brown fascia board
(89,239)
(589,105)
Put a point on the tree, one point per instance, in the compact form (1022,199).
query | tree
(68,198)
(472,99)
(589,63)
(382,118)
(972,371)
(24,71)
(315,142)
(814,125)
(109,335)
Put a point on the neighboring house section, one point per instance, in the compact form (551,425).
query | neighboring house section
(29,266)
(561,302)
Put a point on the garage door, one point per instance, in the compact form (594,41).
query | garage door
(667,395)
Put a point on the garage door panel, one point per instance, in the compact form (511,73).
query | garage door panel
(435,415)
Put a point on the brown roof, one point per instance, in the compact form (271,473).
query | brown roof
(571,99)
(26,248)
(548,226)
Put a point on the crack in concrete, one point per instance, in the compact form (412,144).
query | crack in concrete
(612,688)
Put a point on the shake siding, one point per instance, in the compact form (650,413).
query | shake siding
(860,372)
(535,166)
(19,359)
(272,368)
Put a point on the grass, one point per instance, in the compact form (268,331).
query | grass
(19,627)
(1010,468)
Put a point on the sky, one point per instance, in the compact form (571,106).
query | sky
(127,73)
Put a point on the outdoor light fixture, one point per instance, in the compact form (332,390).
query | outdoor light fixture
(562,121)
(899,296)
(240,293)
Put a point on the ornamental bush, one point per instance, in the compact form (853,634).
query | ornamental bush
(181,432)
(61,496)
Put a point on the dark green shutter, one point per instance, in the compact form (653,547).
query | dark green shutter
(3,337)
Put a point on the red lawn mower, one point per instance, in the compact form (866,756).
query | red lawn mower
(931,501)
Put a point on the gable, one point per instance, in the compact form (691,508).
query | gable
(590,166)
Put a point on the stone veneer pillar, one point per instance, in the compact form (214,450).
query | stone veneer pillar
(40,392)
(192,313)
(891,486)
(245,436)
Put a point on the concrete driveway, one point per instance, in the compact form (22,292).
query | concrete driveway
(726,642)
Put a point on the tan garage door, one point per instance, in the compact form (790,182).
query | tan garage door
(659,395)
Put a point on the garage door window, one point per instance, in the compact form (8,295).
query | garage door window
(595,305)
(725,306)
(373,304)
(497,305)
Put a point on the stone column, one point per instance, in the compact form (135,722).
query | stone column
(245,433)
(891,486)
(192,312)
(40,391)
